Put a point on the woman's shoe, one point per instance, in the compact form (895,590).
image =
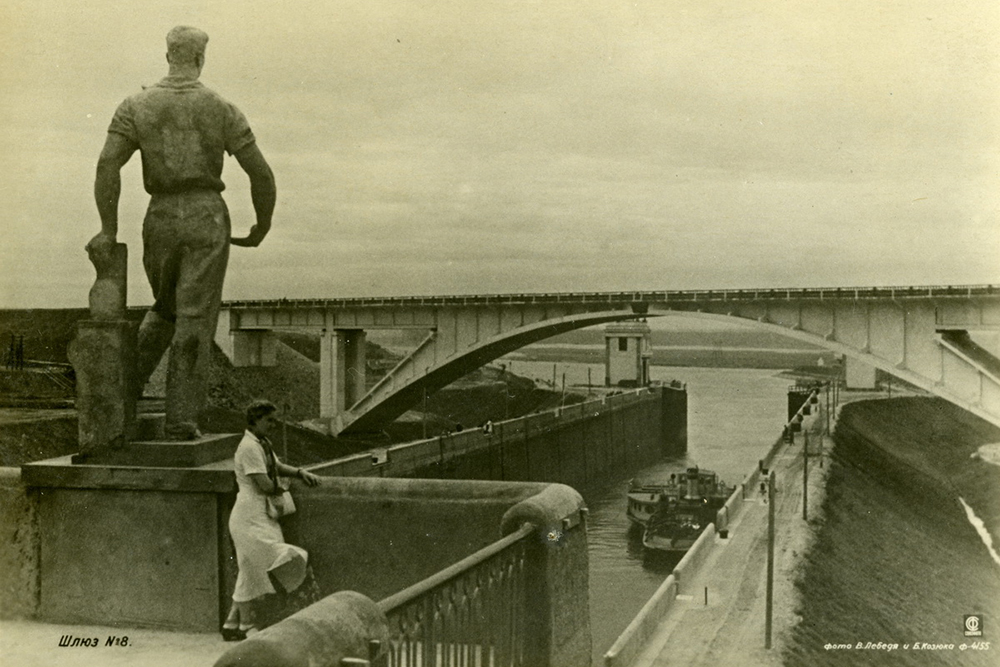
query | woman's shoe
(233,634)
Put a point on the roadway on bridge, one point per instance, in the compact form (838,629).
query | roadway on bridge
(729,629)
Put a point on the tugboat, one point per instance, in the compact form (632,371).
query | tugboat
(679,518)
(644,496)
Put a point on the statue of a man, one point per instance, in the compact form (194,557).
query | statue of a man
(181,129)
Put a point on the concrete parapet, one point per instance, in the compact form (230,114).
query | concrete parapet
(631,642)
(574,445)
(362,533)
(694,557)
(365,531)
(559,630)
(552,509)
(19,545)
(425,489)
(773,452)
(342,625)
(727,513)
(70,560)
(62,473)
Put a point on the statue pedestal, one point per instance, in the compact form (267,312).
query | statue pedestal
(132,530)
(133,546)
(103,356)
(171,454)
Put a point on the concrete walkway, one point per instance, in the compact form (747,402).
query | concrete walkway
(31,644)
(729,629)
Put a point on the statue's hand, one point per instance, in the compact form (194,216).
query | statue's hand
(251,240)
(242,241)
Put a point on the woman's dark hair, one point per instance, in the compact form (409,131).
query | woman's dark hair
(259,409)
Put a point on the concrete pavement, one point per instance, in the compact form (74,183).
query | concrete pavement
(32,644)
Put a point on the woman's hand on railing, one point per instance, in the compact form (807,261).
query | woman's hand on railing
(307,477)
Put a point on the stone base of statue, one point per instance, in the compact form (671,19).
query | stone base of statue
(132,546)
(103,357)
(131,531)
(210,448)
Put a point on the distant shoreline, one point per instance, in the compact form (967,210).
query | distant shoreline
(686,355)
(707,348)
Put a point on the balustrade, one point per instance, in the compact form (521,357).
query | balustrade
(472,614)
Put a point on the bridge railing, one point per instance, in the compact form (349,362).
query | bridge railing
(597,298)
(474,613)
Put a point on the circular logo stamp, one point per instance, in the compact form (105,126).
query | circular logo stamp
(973,625)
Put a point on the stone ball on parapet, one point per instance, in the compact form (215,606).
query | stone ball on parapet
(545,510)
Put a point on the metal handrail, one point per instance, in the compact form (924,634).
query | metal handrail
(451,572)
(471,613)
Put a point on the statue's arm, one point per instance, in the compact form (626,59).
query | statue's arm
(108,184)
(263,193)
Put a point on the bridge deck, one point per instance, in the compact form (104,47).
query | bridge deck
(647,296)
(729,630)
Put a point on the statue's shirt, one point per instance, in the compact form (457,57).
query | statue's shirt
(182,129)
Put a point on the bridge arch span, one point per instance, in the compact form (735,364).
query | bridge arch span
(404,386)
(944,339)
(923,343)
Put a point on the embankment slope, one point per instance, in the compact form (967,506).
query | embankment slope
(895,559)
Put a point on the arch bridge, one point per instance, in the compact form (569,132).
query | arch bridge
(943,339)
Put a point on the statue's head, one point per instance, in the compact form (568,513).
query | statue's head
(186,46)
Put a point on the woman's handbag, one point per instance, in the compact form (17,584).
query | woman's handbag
(280,503)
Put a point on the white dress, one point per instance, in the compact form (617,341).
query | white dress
(260,545)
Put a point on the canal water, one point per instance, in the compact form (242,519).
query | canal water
(734,416)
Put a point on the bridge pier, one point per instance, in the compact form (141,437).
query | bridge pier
(342,373)
(254,348)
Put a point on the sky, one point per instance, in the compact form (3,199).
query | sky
(462,147)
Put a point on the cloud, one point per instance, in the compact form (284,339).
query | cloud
(464,147)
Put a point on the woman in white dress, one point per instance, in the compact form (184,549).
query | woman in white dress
(262,555)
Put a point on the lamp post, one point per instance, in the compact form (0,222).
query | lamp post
(769,604)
